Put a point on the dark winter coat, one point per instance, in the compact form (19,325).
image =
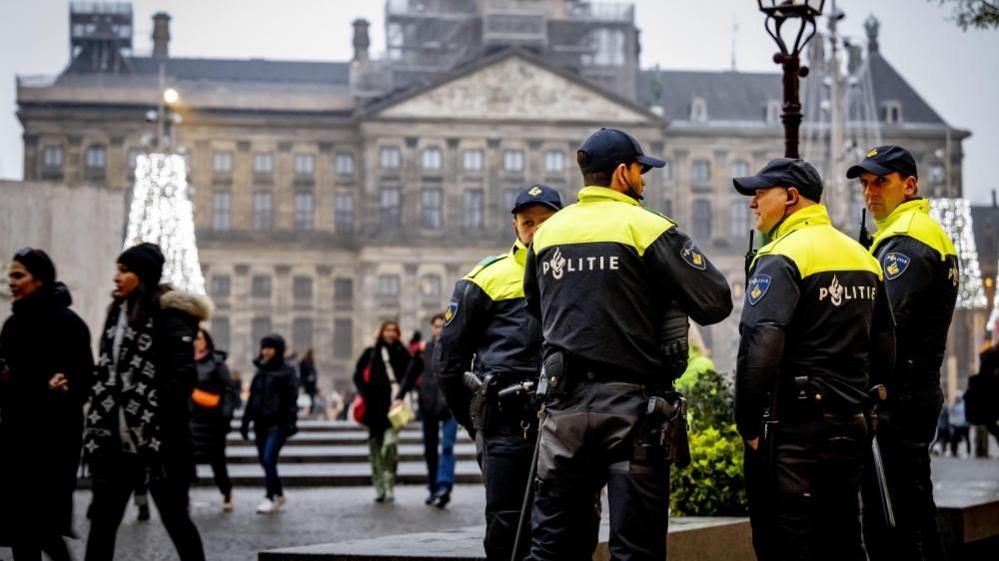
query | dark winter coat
(209,426)
(377,392)
(175,315)
(273,400)
(422,370)
(307,375)
(40,429)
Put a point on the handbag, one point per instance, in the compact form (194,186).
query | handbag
(359,405)
(400,414)
(206,399)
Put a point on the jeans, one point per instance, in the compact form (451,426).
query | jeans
(269,442)
(443,432)
(113,483)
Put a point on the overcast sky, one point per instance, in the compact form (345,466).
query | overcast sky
(955,71)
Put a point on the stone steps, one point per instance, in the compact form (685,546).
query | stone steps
(294,453)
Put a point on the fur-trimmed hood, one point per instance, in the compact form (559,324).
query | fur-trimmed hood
(198,306)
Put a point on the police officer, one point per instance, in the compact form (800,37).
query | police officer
(602,275)
(487,330)
(921,278)
(814,306)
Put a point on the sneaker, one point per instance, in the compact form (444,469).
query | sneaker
(441,500)
(389,495)
(227,504)
(279,501)
(430,499)
(266,506)
(143,513)
(380,498)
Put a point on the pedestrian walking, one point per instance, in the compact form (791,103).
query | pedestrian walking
(213,404)
(46,369)
(487,329)
(814,326)
(308,377)
(943,433)
(272,411)
(959,427)
(603,276)
(377,376)
(921,272)
(139,413)
(439,425)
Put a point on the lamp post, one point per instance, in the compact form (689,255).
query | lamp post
(779,13)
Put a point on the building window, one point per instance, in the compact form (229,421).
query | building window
(390,158)
(52,157)
(740,168)
(222,162)
(305,165)
(937,175)
(554,161)
(771,112)
(301,288)
(509,200)
(892,112)
(668,207)
(259,328)
(263,163)
(343,290)
(221,209)
(343,338)
(301,335)
(701,220)
(262,211)
(96,158)
(260,286)
(667,171)
(513,161)
(739,217)
(700,171)
(433,159)
(431,286)
(345,164)
(303,211)
(133,158)
(472,160)
(698,110)
(388,286)
(220,286)
(343,215)
(432,205)
(220,332)
(473,209)
(390,207)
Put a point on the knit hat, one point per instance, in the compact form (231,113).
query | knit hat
(146,261)
(274,341)
(38,263)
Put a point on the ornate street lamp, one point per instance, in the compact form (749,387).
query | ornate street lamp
(791,39)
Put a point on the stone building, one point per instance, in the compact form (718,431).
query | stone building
(331,195)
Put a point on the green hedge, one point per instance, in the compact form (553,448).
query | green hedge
(712,485)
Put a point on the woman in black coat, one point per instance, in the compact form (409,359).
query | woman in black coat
(139,413)
(213,402)
(45,373)
(272,408)
(377,384)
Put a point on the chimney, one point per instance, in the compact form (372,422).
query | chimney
(161,35)
(361,40)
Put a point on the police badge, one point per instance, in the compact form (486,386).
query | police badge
(757,288)
(452,311)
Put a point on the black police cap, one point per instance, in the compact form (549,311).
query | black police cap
(538,194)
(607,148)
(783,172)
(885,160)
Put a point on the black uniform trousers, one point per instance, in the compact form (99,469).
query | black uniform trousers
(905,431)
(587,441)
(504,453)
(114,482)
(804,504)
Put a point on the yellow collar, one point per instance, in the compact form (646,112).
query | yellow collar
(916,205)
(593,194)
(519,253)
(815,215)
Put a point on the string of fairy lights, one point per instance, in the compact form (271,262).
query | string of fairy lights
(955,217)
(162,213)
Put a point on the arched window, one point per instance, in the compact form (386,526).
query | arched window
(698,110)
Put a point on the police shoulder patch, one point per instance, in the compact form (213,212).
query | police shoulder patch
(894,264)
(452,311)
(693,256)
(757,288)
